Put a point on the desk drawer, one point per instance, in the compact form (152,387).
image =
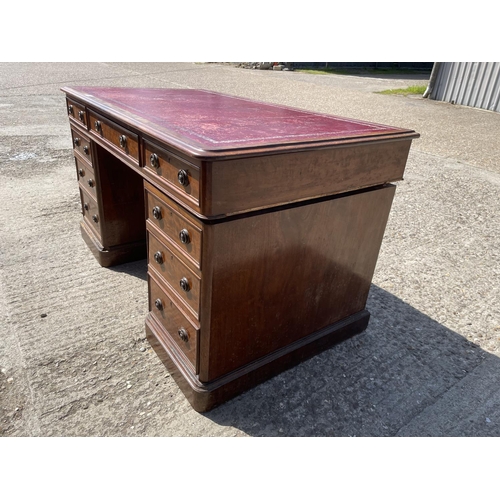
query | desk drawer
(182,281)
(183,332)
(121,139)
(76,112)
(81,144)
(86,176)
(90,211)
(180,177)
(176,225)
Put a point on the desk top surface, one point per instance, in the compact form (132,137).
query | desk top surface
(205,123)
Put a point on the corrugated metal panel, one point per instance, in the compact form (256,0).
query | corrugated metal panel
(475,84)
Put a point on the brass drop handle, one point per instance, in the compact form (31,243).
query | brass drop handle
(95,218)
(183,334)
(182,177)
(158,256)
(81,115)
(184,236)
(81,172)
(159,304)
(97,125)
(70,109)
(76,141)
(123,140)
(153,159)
(184,283)
(86,150)
(90,182)
(86,206)
(157,213)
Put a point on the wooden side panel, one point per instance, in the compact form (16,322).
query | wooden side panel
(264,181)
(277,277)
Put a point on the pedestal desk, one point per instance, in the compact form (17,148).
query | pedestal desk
(261,224)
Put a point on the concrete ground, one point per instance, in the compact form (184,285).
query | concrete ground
(73,356)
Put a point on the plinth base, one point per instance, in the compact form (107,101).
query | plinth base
(205,396)
(108,257)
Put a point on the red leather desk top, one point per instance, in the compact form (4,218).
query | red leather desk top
(201,122)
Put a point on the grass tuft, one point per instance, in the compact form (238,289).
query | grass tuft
(414,89)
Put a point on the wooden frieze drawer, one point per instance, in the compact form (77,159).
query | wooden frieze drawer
(81,144)
(90,212)
(121,139)
(177,226)
(164,167)
(179,277)
(76,112)
(182,331)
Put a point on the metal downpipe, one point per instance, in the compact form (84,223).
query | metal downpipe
(432,79)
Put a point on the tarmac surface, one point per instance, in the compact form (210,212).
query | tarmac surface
(74,360)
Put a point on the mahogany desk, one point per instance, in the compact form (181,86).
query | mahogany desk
(261,224)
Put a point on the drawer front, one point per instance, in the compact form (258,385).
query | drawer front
(90,212)
(81,144)
(76,112)
(179,277)
(180,230)
(181,331)
(86,176)
(122,140)
(181,177)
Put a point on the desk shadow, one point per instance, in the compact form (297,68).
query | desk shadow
(406,375)
(138,268)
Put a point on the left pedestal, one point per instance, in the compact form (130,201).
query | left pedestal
(112,200)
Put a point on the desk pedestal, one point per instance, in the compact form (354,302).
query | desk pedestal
(274,289)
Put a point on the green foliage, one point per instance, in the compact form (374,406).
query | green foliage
(414,89)
(324,71)
(363,71)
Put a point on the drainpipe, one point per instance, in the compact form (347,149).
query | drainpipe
(432,79)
